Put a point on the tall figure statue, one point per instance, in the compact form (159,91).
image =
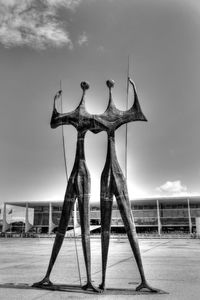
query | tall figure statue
(114,183)
(78,187)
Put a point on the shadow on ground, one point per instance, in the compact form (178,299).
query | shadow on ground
(78,289)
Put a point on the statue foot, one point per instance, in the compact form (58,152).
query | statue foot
(43,283)
(90,286)
(146,286)
(102,287)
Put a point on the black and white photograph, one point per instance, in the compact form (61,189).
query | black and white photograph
(99,149)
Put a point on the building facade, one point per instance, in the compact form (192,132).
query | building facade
(158,215)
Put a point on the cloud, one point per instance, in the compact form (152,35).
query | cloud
(101,49)
(83,39)
(34,23)
(70,4)
(172,188)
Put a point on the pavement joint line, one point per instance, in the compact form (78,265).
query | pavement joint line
(126,259)
(41,296)
(166,279)
(155,246)
(14,265)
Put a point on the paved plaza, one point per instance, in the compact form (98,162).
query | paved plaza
(172,265)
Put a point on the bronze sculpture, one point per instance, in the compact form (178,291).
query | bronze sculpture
(78,187)
(112,184)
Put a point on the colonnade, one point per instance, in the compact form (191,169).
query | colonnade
(51,225)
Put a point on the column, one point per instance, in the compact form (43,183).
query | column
(27,224)
(197,219)
(5,224)
(75,223)
(189,216)
(158,217)
(51,224)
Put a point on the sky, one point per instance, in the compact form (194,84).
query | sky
(43,42)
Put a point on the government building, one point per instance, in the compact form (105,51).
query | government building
(154,215)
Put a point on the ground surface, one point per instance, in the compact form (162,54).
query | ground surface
(170,265)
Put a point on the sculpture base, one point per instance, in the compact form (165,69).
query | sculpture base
(78,289)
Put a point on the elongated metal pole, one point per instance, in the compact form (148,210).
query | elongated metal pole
(126,132)
(66,173)
(63,138)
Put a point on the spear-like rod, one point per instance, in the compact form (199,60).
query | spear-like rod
(66,173)
(63,137)
(126,132)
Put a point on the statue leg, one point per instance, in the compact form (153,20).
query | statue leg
(84,211)
(68,204)
(106,213)
(127,217)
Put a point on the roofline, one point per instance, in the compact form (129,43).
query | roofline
(60,202)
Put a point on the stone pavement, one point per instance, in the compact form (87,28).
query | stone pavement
(170,265)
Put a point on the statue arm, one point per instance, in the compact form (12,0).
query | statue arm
(57,118)
(135,112)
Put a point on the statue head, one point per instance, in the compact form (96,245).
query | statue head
(84,85)
(110,83)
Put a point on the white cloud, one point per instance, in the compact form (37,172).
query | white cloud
(34,23)
(101,49)
(70,4)
(172,188)
(83,39)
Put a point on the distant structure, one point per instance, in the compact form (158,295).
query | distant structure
(154,216)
